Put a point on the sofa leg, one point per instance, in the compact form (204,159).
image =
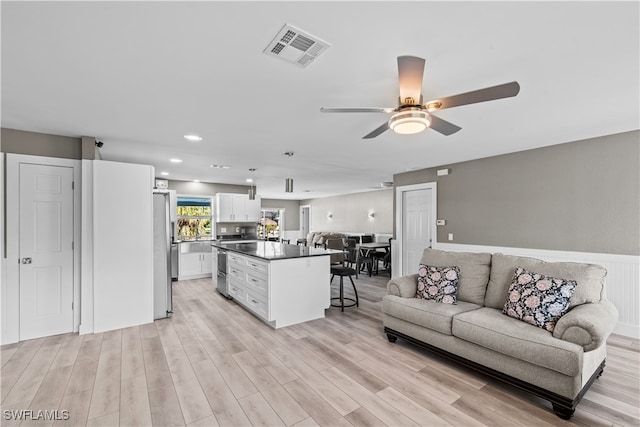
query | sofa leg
(392,338)
(563,412)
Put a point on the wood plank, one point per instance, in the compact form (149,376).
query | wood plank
(106,391)
(411,409)
(320,411)
(132,355)
(13,369)
(107,420)
(372,403)
(259,411)
(26,387)
(335,397)
(226,408)
(282,403)
(165,408)
(68,352)
(362,417)
(78,407)
(192,400)
(134,402)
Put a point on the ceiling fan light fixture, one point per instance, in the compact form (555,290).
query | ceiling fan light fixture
(409,122)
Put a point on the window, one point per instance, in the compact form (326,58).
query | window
(271,224)
(194,218)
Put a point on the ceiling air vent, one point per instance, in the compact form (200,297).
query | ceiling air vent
(296,46)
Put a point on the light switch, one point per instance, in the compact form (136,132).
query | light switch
(450,236)
(440,222)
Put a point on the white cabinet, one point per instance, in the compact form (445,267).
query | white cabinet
(249,283)
(196,260)
(272,290)
(207,265)
(237,208)
(252,209)
(224,207)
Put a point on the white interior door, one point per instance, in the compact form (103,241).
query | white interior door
(417,221)
(46,250)
(304,220)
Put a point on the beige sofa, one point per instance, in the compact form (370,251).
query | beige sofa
(558,366)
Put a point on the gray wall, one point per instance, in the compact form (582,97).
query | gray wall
(581,196)
(40,144)
(350,212)
(291,213)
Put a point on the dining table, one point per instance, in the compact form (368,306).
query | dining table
(365,249)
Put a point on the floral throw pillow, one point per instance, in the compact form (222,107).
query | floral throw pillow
(537,299)
(438,283)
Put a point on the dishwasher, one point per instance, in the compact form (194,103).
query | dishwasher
(223,286)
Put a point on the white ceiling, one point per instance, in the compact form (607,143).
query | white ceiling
(140,75)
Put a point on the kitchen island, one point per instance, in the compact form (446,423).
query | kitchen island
(279,283)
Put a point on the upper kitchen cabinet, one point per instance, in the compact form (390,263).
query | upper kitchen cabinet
(237,208)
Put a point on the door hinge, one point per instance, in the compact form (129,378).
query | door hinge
(71,245)
(73,185)
(71,305)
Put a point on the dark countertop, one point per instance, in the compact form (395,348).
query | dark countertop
(272,251)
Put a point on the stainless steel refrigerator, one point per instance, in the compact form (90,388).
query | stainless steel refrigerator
(162,296)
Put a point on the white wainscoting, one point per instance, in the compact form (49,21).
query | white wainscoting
(622,282)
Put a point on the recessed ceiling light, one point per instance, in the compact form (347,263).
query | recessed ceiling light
(164,173)
(193,138)
(196,180)
(249,180)
(175,160)
(219,166)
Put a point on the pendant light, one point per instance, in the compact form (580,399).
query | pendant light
(252,189)
(288,183)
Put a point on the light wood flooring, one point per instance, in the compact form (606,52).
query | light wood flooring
(212,363)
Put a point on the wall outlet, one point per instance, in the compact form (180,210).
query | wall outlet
(223,229)
(450,236)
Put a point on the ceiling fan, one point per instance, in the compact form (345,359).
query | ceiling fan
(412,115)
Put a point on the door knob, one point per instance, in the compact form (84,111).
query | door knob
(25,261)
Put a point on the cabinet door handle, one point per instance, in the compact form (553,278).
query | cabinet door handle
(254,280)
(254,301)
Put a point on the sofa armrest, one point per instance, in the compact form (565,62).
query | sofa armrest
(588,325)
(405,286)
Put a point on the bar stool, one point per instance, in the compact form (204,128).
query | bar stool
(342,271)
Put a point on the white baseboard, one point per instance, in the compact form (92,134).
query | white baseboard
(622,282)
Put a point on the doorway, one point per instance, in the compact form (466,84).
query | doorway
(305,220)
(42,230)
(415,219)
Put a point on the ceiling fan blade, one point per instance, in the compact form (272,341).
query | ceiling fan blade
(506,90)
(444,127)
(377,131)
(410,74)
(357,110)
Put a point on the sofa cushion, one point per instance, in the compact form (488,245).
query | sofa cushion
(438,283)
(491,329)
(538,299)
(474,271)
(425,313)
(589,278)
